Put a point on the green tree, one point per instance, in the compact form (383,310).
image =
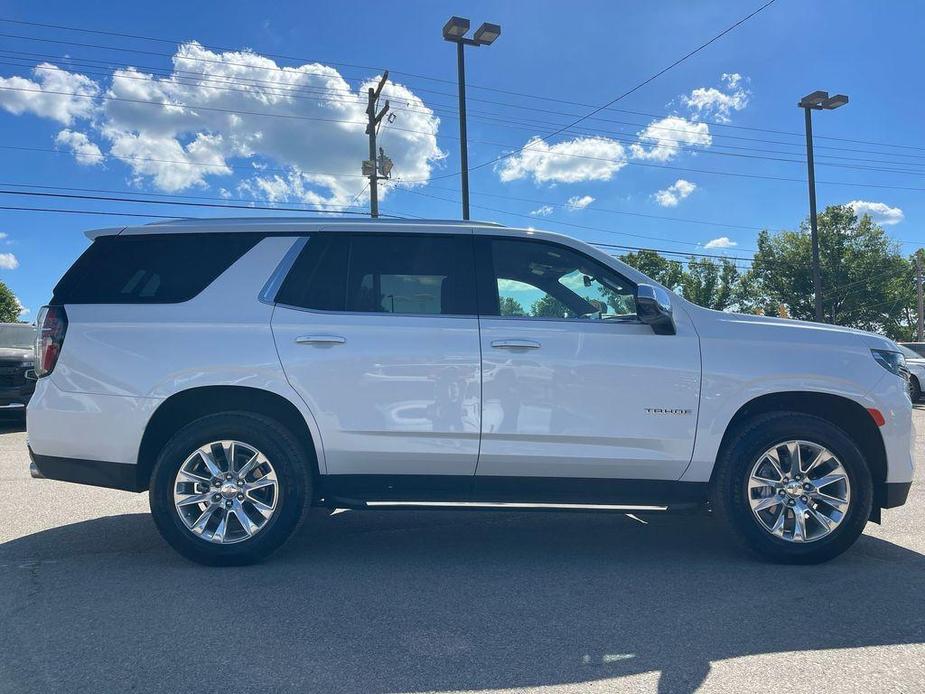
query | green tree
(511,307)
(711,284)
(666,272)
(866,281)
(548,307)
(9,305)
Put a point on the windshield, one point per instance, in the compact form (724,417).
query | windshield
(17,336)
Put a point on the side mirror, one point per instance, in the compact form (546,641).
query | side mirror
(653,306)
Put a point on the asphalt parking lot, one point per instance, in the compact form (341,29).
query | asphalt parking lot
(93,600)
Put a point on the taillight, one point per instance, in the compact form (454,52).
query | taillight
(52,325)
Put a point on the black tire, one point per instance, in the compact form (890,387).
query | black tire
(281,448)
(730,486)
(915,389)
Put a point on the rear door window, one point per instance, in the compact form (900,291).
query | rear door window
(150,268)
(412,274)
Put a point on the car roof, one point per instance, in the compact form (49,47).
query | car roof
(283,224)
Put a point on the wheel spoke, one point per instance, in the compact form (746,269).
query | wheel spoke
(249,466)
(757,482)
(799,524)
(822,519)
(766,503)
(831,478)
(778,527)
(228,450)
(773,457)
(192,477)
(259,484)
(249,526)
(200,525)
(822,455)
(834,501)
(194,499)
(206,454)
(796,463)
(222,528)
(264,509)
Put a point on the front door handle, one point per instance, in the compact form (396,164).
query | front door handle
(515,344)
(320,340)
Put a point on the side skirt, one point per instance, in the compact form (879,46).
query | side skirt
(509,493)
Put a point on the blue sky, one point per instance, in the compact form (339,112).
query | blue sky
(574,56)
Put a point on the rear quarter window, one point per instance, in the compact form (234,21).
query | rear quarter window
(150,268)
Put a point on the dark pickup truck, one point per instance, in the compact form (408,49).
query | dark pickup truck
(17,356)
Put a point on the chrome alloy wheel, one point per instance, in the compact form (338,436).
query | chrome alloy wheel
(226,492)
(799,491)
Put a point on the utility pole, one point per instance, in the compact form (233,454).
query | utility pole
(370,167)
(920,328)
(816,101)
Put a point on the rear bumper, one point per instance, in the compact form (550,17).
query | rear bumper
(96,473)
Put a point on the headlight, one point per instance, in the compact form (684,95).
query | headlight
(894,362)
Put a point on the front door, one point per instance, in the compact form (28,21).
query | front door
(378,334)
(573,385)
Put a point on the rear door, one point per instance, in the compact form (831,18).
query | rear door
(379,334)
(574,386)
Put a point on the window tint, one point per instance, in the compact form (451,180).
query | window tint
(535,279)
(384,273)
(149,269)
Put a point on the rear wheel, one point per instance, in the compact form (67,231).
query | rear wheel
(793,488)
(229,488)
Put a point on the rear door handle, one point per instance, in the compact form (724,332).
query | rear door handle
(320,340)
(515,344)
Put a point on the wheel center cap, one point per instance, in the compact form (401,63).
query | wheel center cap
(793,488)
(229,490)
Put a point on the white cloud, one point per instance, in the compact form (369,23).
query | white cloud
(85,151)
(675,193)
(571,161)
(710,101)
(662,139)
(8,261)
(543,211)
(209,116)
(579,203)
(23,311)
(54,93)
(721,242)
(879,212)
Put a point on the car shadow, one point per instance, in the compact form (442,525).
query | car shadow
(435,601)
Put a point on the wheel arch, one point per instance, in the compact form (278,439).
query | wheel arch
(185,406)
(847,414)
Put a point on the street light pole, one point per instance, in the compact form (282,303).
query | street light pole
(463,141)
(455,30)
(816,101)
(811,177)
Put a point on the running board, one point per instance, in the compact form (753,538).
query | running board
(355,504)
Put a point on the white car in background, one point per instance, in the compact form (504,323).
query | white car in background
(915,364)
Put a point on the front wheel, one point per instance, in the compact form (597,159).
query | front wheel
(229,488)
(915,389)
(794,488)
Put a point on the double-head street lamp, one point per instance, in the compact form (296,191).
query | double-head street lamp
(817,101)
(455,30)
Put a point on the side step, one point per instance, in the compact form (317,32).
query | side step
(356,504)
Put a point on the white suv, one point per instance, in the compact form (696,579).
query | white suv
(244,370)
